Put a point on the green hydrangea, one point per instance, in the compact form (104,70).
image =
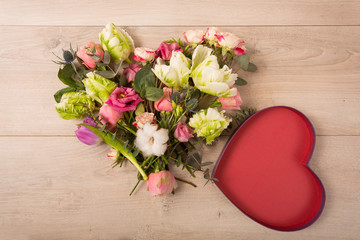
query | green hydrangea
(117,42)
(209,123)
(98,87)
(74,105)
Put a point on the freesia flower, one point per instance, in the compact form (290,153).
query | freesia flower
(131,71)
(124,99)
(231,102)
(109,115)
(183,132)
(113,154)
(151,141)
(74,105)
(164,103)
(209,123)
(144,118)
(117,42)
(165,50)
(98,87)
(142,54)
(161,183)
(194,36)
(207,75)
(210,35)
(230,42)
(85,135)
(91,53)
(177,73)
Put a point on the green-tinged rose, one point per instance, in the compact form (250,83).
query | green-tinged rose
(209,123)
(117,42)
(98,87)
(74,105)
(207,75)
(177,73)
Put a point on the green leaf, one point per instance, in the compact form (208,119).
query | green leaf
(153,93)
(244,62)
(106,74)
(144,78)
(103,127)
(191,104)
(240,82)
(65,75)
(107,58)
(59,93)
(113,136)
(252,67)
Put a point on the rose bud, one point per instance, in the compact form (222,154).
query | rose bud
(131,71)
(165,50)
(194,36)
(161,183)
(183,132)
(164,103)
(142,54)
(231,102)
(91,53)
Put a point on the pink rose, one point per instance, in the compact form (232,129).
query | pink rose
(130,72)
(231,102)
(183,132)
(90,51)
(144,118)
(194,36)
(231,42)
(165,50)
(144,54)
(161,183)
(109,115)
(164,103)
(124,99)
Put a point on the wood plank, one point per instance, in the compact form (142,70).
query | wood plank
(57,187)
(314,69)
(180,13)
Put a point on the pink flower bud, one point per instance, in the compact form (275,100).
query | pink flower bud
(91,53)
(109,115)
(194,36)
(164,103)
(85,135)
(130,72)
(142,54)
(231,102)
(165,50)
(161,183)
(183,132)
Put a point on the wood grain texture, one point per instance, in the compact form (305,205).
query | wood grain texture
(59,188)
(314,69)
(180,13)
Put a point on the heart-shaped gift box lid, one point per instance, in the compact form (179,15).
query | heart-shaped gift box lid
(263,170)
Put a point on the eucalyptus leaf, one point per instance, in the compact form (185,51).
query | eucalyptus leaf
(153,93)
(144,78)
(107,58)
(65,75)
(106,74)
(252,67)
(240,82)
(95,57)
(244,62)
(59,93)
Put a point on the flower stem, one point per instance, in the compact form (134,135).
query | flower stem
(134,188)
(184,181)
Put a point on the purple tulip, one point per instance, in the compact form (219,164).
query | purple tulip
(85,135)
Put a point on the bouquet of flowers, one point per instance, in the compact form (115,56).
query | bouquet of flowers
(154,109)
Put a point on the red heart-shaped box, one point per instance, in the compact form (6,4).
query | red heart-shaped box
(263,170)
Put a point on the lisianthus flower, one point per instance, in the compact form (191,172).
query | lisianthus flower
(209,123)
(183,132)
(85,135)
(144,118)
(165,50)
(161,183)
(194,36)
(124,99)
(207,75)
(142,54)
(210,35)
(131,71)
(89,52)
(231,102)
(230,42)
(151,141)
(109,115)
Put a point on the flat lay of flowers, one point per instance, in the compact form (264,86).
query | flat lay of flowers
(155,107)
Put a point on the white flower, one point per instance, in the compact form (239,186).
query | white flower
(177,73)
(151,141)
(210,35)
(207,75)
(194,36)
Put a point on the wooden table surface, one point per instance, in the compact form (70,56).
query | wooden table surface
(54,187)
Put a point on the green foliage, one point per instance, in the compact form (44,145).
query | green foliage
(145,84)
(239,81)
(153,93)
(59,93)
(244,62)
